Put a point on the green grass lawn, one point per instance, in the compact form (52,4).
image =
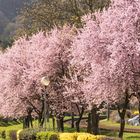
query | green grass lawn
(127,136)
(111,123)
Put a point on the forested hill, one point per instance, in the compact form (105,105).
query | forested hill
(9,9)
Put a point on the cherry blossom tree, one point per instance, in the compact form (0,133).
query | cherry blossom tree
(23,66)
(101,64)
(106,55)
(124,62)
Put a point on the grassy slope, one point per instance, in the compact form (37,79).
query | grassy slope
(127,136)
(111,123)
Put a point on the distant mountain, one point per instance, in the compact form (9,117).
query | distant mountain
(9,9)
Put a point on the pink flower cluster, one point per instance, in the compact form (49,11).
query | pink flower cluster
(91,65)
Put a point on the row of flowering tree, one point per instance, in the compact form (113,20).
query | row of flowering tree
(87,67)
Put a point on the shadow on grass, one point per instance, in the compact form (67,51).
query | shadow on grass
(109,133)
(9,123)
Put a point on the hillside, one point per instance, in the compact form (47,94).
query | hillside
(9,9)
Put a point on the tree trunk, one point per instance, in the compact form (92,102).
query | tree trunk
(27,121)
(139,111)
(53,122)
(60,123)
(79,120)
(122,113)
(122,126)
(24,122)
(108,112)
(95,121)
(41,120)
(72,120)
(31,121)
(89,123)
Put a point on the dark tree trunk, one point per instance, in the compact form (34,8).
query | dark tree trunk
(41,120)
(72,120)
(139,111)
(122,126)
(108,112)
(89,123)
(95,121)
(27,122)
(60,123)
(122,113)
(53,122)
(31,121)
(79,120)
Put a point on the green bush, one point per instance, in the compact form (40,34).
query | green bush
(28,134)
(32,134)
(3,134)
(53,136)
(47,136)
(41,136)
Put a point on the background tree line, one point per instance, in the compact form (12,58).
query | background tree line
(20,17)
(9,10)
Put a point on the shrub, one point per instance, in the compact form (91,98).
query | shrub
(79,136)
(68,136)
(13,134)
(34,135)
(136,113)
(47,136)
(53,136)
(3,134)
(28,134)
(41,136)
(86,136)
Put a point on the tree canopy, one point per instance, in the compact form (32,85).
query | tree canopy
(45,14)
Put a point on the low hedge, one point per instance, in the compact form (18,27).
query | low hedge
(80,136)
(47,136)
(53,136)
(28,134)
(9,134)
(86,136)
(41,136)
(3,134)
(31,134)
(70,136)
